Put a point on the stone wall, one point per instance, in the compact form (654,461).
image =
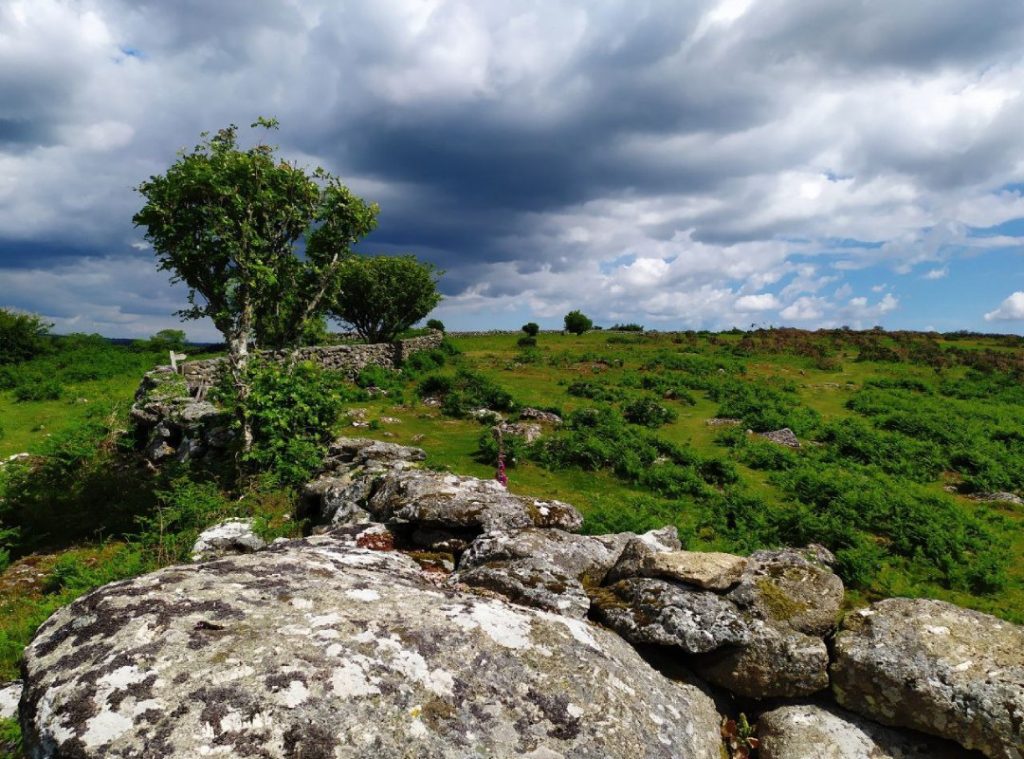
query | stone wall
(349,359)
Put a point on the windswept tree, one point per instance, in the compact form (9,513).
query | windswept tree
(227,222)
(380,296)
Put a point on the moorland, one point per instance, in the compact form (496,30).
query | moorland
(903,439)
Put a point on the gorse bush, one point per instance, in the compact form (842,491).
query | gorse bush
(531,329)
(37,388)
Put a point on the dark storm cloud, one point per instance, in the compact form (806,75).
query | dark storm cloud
(661,155)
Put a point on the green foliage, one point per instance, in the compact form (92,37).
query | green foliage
(292,408)
(466,391)
(435,324)
(78,488)
(763,407)
(849,509)
(226,222)
(631,327)
(577,322)
(37,388)
(531,329)
(11,746)
(382,295)
(596,391)
(647,411)
(162,342)
(527,341)
(75,573)
(184,509)
(22,336)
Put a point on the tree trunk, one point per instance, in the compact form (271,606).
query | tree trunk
(238,359)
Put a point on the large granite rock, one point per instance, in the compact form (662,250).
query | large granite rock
(10,694)
(937,668)
(530,582)
(763,639)
(638,550)
(817,732)
(449,501)
(319,648)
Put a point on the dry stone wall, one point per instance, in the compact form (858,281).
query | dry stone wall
(349,359)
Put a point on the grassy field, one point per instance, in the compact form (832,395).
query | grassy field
(890,424)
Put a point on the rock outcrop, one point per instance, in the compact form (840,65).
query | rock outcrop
(763,639)
(436,615)
(817,732)
(324,649)
(937,668)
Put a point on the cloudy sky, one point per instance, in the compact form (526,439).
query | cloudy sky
(683,164)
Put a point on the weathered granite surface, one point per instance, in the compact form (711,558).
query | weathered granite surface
(937,668)
(319,648)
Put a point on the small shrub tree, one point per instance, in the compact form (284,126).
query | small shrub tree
(22,336)
(531,329)
(380,296)
(225,221)
(577,322)
(435,324)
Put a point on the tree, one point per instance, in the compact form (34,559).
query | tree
(577,323)
(380,296)
(435,324)
(531,329)
(225,221)
(22,336)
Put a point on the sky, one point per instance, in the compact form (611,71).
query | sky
(682,164)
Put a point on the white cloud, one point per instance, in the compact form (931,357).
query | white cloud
(941,273)
(760,302)
(1011,309)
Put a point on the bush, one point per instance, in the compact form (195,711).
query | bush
(79,487)
(422,362)
(594,390)
(292,409)
(577,323)
(22,336)
(387,380)
(626,328)
(465,392)
(647,411)
(527,341)
(531,329)
(435,324)
(36,388)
